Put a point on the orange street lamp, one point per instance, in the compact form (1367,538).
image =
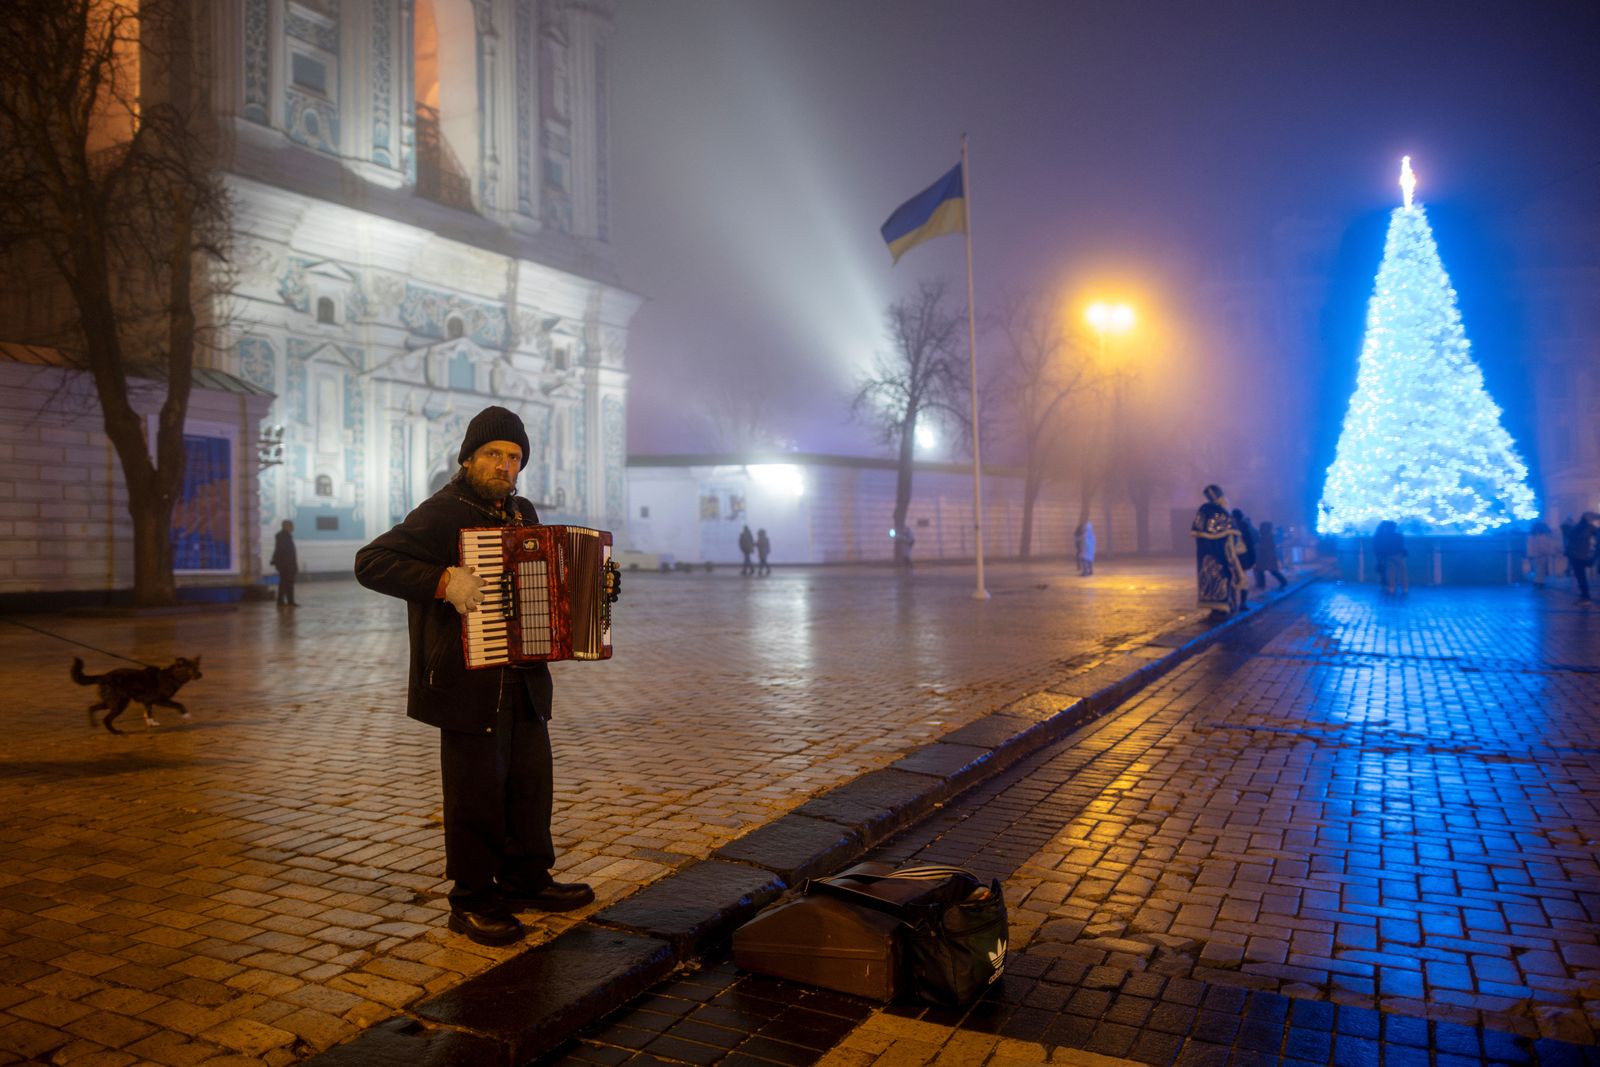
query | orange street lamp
(1109,318)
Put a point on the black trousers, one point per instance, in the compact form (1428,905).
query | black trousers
(1261,576)
(286,587)
(1580,571)
(497,805)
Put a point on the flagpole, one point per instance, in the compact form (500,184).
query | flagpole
(980,593)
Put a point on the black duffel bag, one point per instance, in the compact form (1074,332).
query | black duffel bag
(953,927)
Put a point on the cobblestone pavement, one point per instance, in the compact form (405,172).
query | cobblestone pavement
(1356,830)
(264,879)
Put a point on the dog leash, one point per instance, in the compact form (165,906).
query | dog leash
(80,644)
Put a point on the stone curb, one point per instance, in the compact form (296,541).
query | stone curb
(532,1003)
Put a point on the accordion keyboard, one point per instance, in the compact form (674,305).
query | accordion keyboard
(487,635)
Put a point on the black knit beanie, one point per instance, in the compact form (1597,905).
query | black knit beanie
(493,424)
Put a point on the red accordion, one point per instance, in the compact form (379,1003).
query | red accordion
(544,594)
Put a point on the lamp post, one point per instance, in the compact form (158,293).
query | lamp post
(1108,319)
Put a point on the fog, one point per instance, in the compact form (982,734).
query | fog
(1152,152)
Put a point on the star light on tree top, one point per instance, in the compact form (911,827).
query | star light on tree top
(1422,442)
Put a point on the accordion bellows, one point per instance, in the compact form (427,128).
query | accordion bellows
(543,598)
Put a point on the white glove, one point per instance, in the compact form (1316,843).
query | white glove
(463,589)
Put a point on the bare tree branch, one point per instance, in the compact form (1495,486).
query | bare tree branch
(920,374)
(114,200)
(1045,368)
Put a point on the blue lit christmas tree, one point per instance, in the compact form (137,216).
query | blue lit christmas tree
(1422,442)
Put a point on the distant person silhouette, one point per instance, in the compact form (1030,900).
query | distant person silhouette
(1389,545)
(1247,554)
(286,563)
(1267,557)
(747,545)
(1581,551)
(763,547)
(1542,553)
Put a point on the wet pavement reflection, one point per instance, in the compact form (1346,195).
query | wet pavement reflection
(265,878)
(1356,830)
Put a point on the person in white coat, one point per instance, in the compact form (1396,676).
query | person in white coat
(1083,540)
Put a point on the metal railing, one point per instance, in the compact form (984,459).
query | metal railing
(440,175)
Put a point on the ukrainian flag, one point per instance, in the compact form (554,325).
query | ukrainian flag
(939,209)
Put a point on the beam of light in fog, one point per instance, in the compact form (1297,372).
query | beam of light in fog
(779,477)
(821,291)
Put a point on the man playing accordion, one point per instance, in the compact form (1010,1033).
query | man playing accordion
(494,740)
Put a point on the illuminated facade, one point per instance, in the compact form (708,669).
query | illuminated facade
(421,223)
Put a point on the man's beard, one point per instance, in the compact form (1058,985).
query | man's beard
(491,487)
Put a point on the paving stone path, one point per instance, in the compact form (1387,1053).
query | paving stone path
(265,879)
(1357,830)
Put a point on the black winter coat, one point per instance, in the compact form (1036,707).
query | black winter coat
(407,562)
(1247,535)
(283,554)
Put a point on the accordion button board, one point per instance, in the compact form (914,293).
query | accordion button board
(543,596)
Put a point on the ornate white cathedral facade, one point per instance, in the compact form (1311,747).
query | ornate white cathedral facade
(420,198)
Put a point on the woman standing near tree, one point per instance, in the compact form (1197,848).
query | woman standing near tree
(1218,576)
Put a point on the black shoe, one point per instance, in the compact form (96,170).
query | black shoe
(553,896)
(486,927)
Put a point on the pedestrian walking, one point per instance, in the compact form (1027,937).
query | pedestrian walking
(287,563)
(494,740)
(1266,561)
(1581,551)
(1389,546)
(1247,553)
(763,548)
(1218,576)
(1083,541)
(1543,552)
(747,545)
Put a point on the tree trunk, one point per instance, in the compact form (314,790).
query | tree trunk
(153,488)
(902,490)
(1141,518)
(170,455)
(153,581)
(1031,484)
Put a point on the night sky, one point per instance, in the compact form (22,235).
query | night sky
(758,145)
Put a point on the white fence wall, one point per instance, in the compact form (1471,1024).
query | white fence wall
(846,509)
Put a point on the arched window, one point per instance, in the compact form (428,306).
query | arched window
(445,73)
(324,485)
(454,327)
(325,310)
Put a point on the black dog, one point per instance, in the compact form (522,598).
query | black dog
(143,685)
